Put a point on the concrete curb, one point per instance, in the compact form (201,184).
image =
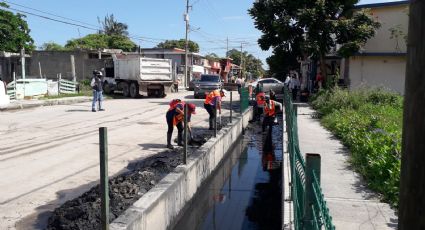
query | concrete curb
(25,104)
(159,207)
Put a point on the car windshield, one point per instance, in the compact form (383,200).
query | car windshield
(213,78)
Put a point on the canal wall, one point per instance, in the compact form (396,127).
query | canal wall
(158,208)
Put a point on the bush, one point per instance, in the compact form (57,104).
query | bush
(369,123)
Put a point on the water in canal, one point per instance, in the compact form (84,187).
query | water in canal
(244,192)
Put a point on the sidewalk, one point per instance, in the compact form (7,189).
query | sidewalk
(24,104)
(351,204)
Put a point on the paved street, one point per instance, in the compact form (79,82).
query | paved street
(50,154)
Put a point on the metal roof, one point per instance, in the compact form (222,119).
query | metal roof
(382,4)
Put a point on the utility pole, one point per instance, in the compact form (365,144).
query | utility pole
(412,179)
(186,19)
(241,62)
(227,46)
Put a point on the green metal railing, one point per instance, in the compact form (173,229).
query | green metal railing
(310,209)
(244,99)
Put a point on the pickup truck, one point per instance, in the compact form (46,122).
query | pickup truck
(206,84)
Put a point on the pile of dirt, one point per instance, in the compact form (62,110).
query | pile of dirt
(84,212)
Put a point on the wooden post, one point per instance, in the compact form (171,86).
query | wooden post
(185,131)
(74,78)
(312,164)
(59,83)
(104,190)
(412,181)
(39,69)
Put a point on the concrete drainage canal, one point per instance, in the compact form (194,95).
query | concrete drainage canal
(237,190)
(245,190)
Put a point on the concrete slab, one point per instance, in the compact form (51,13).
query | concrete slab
(50,154)
(351,204)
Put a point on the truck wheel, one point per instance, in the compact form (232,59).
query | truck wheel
(125,89)
(107,88)
(134,90)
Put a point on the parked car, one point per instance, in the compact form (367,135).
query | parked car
(193,83)
(269,84)
(206,84)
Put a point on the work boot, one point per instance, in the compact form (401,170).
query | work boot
(169,141)
(180,139)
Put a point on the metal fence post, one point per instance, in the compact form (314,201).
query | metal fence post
(215,121)
(231,106)
(104,189)
(312,164)
(295,106)
(185,134)
(59,83)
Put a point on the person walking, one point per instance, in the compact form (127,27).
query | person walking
(270,112)
(96,84)
(294,85)
(212,103)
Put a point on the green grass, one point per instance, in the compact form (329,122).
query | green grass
(369,123)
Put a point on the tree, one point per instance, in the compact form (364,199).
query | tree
(212,57)
(314,25)
(101,41)
(52,46)
(112,27)
(250,63)
(89,42)
(170,44)
(14,31)
(121,42)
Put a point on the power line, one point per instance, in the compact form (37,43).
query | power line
(136,37)
(70,19)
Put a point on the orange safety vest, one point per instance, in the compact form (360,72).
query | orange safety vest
(271,112)
(210,96)
(178,117)
(259,100)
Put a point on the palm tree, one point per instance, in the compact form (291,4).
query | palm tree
(112,27)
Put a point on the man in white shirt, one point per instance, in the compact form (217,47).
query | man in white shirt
(294,85)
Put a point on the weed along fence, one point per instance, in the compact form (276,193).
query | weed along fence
(310,209)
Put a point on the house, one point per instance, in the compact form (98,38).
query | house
(382,60)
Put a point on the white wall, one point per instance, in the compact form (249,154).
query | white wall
(388,72)
(389,17)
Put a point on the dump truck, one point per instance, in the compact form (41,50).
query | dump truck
(135,75)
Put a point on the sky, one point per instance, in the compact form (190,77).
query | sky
(150,21)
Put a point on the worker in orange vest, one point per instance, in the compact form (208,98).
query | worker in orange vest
(270,112)
(175,117)
(212,103)
(260,99)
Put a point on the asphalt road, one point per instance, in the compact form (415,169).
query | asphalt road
(51,154)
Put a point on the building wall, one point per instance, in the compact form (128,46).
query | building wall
(55,62)
(387,72)
(389,17)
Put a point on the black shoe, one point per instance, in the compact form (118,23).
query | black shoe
(93,110)
(180,144)
(170,146)
(101,109)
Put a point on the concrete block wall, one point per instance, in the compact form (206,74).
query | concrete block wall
(159,207)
